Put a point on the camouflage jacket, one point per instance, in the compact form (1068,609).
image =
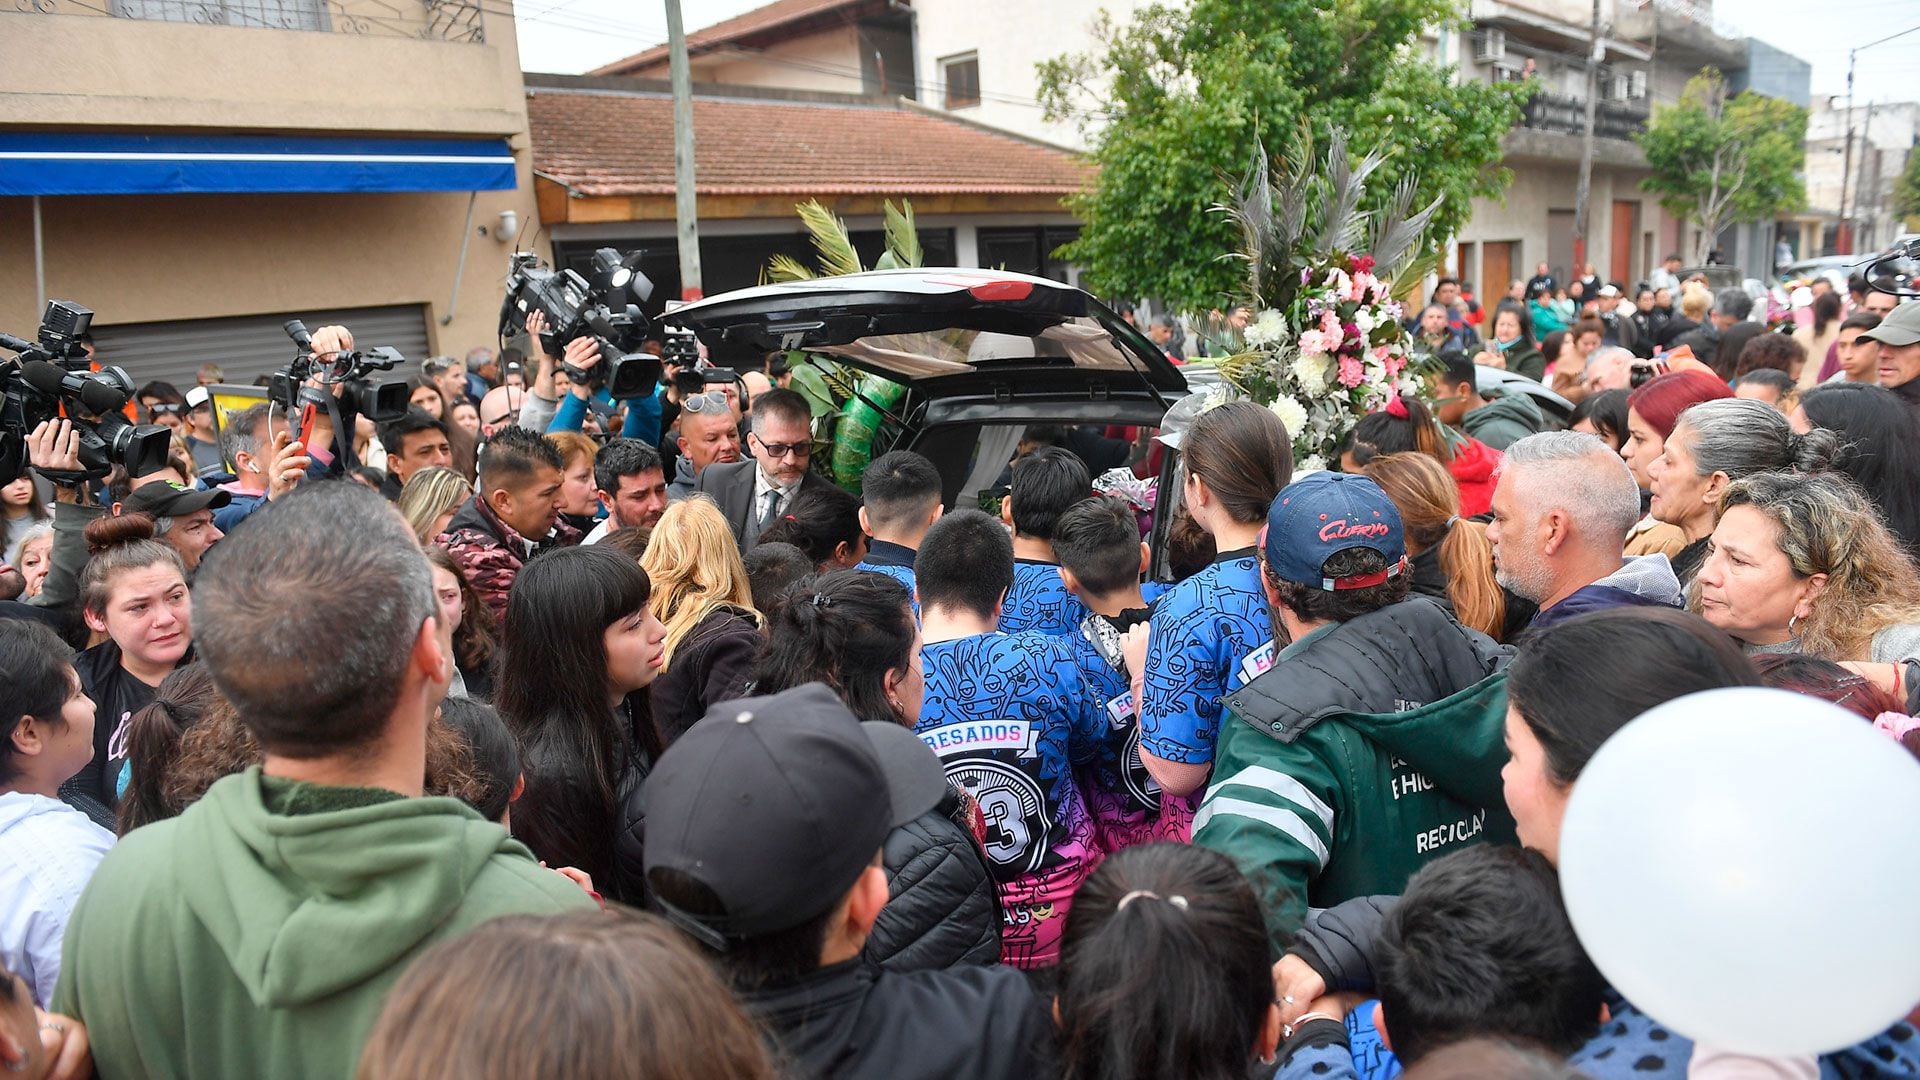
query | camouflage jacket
(491,554)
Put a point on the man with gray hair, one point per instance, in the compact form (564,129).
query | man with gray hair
(292,895)
(1610,367)
(1561,510)
(755,492)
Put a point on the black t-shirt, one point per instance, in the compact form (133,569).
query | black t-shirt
(116,695)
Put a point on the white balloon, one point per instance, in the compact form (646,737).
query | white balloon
(1743,865)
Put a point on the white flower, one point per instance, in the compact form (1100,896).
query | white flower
(1310,464)
(1268,329)
(1310,371)
(1363,319)
(1292,414)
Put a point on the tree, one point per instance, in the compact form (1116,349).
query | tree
(1718,161)
(1177,102)
(1906,192)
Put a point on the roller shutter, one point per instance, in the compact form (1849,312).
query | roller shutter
(250,345)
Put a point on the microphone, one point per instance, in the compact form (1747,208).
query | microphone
(297,330)
(52,380)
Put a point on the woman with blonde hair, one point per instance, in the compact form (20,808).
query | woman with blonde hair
(1801,563)
(1452,558)
(429,499)
(702,596)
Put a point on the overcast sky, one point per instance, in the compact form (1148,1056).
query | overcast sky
(575,35)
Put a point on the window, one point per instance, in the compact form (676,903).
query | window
(961,74)
(277,14)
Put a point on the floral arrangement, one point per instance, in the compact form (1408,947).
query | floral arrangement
(1324,345)
(1137,493)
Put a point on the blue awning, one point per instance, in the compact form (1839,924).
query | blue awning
(52,163)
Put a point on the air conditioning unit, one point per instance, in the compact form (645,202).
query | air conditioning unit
(1618,88)
(1637,86)
(1490,46)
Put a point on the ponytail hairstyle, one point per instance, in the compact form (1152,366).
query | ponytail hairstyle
(153,743)
(1244,453)
(1406,425)
(1742,437)
(117,544)
(819,522)
(1429,504)
(848,629)
(1165,968)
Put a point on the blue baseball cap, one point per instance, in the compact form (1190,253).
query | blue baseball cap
(1319,516)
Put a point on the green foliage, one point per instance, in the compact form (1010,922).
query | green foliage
(1176,100)
(1718,160)
(1906,193)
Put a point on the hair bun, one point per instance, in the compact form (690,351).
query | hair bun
(1816,451)
(104,534)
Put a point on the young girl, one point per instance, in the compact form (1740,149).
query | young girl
(24,512)
(1212,633)
(578,649)
(1165,970)
(134,590)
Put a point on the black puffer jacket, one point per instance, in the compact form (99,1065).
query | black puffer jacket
(942,907)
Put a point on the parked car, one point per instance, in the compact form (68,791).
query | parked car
(983,355)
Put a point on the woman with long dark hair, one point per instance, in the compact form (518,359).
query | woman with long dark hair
(578,650)
(1879,451)
(824,523)
(854,631)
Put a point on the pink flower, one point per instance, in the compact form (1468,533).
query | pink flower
(1350,331)
(1381,353)
(1362,264)
(1352,374)
(1330,326)
(1312,342)
(1306,275)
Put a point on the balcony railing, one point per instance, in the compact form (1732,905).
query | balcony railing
(433,20)
(1568,115)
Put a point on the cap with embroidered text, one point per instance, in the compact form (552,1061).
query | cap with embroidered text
(1319,516)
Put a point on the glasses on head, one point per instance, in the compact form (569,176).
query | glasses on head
(163,409)
(777,450)
(711,401)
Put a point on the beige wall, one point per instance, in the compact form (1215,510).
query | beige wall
(827,61)
(145,258)
(85,70)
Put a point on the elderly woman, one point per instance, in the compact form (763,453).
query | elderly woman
(1801,563)
(1713,444)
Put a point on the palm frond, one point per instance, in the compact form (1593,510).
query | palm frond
(1251,208)
(830,239)
(784,268)
(903,240)
(1343,223)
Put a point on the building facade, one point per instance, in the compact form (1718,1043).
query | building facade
(197,172)
(1884,137)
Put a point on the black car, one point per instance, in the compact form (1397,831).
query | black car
(983,355)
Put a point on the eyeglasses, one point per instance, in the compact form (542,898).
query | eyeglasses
(777,451)
(711,401)
(161,409)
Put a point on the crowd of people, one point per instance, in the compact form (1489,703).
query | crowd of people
(533,733)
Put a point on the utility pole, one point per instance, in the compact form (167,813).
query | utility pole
(685,213)
(1845,240)
(1583,193)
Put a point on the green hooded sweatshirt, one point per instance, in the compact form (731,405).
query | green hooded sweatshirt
(1369,748)
(257,934)
(1504,420)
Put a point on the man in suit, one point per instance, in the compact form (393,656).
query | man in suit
(754,493)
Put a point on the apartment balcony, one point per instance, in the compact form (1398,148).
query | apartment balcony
(415,67)
(1551,128)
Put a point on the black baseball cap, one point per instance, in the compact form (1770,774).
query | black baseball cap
(777,805)
(164,498)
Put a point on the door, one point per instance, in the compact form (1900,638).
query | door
(1626,226)
(1496,269)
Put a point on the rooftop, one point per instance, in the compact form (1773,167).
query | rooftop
(776,21)
(614,137)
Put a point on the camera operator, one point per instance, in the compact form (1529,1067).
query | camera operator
(264,469)
(570,411)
